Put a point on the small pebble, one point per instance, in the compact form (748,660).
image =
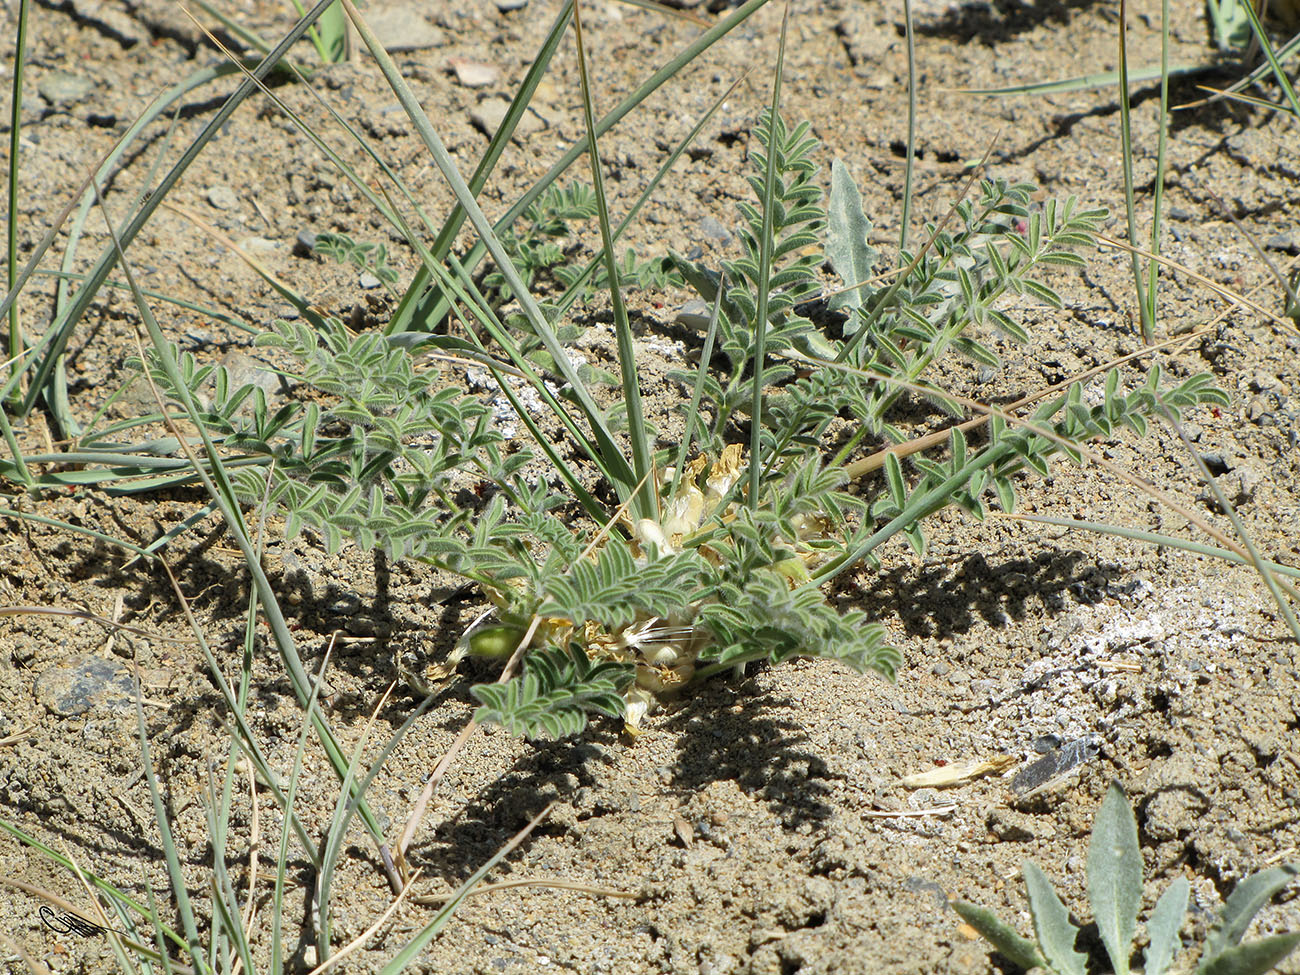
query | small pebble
(472,74)
(368,280)
(222,197)
(346,604)
(243,370)
(491,112)
(1288,242)
(262,244)
(714,230)
(64,87)
(304,245)
(76,685)
(694,314)
(505,6)
(400,28)
(123,27)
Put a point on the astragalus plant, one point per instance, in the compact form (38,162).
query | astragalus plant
(714,556)
(634,570)
(1115,894)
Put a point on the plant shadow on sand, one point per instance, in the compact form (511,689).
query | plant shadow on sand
(948,597)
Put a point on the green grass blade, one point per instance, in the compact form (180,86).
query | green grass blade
(218,484)
(1126,155)
(1274,63)
(330,35)
(1153,266)
(1282,55)
(118,896)
(236,29)
(575,290)
(175,872)
(1154,538)
(693,421)
(424,310)
(906,216)
(18,470)
(646,503)
(420,309)
(1101,79)
(56,337)
(430,930)
(333,841)
(79,529)
(463,288)
(282,851)
(345,810)
(56,392)
(227,923)
(163,957)
(115,941)
(623,478)
(15,344)
(207,311)
(84,194)
(1284,607)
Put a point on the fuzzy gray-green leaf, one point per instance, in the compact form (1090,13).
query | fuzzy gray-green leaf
(1244,903)
(846,239)
(1115,876)
(1052,923)
(1162,927)
(1252,958)
(1017,950)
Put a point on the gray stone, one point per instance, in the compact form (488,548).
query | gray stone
(222,197)
(1288,242)
(866,35)
(491,112)
(505,6)
(695,314)
(368,280)
(473,74)
(1018,827)
(346,604)
(1054,766)
(244,370)
(80,684)
(64,87)
(400,28)
(714,230)
(110,19)
(263,245)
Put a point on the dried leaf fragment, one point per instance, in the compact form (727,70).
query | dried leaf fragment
(952,775)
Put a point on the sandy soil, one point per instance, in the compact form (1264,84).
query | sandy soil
(762,823)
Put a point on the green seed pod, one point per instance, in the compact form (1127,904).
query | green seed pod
(792,570)
(497,641)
